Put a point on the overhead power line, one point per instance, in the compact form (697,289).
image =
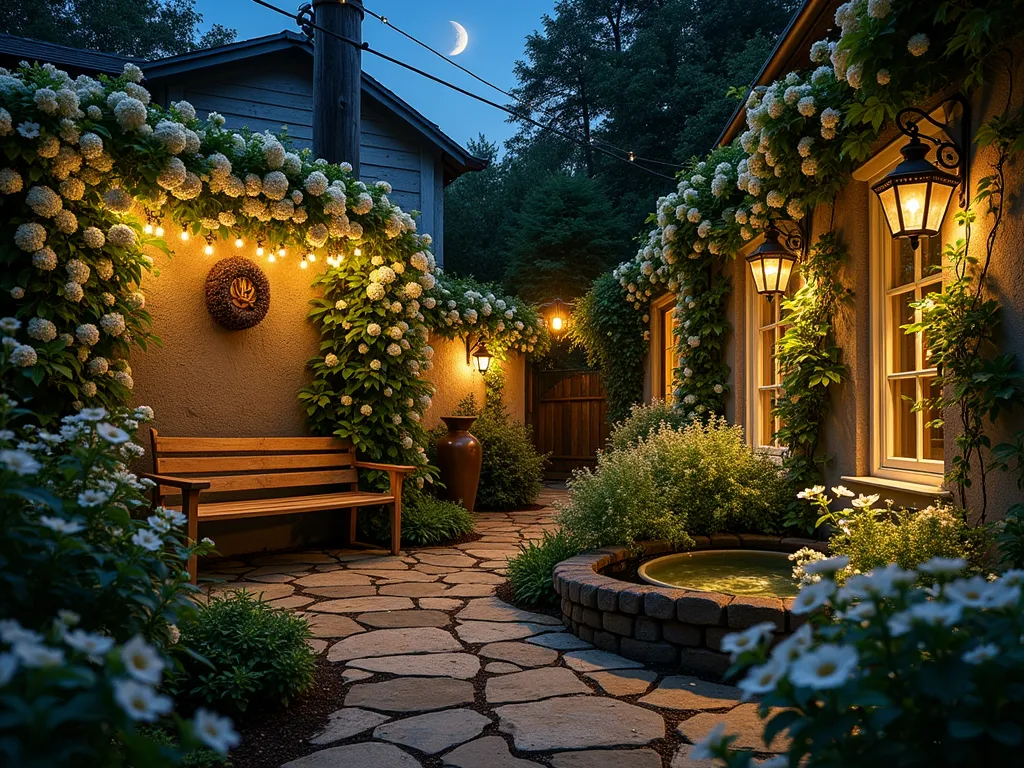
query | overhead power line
(631,156)
(304,22)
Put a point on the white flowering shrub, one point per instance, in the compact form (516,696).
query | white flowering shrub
(92,585)
(90,169)
(886,672)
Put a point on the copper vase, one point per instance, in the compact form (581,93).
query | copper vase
(459,457)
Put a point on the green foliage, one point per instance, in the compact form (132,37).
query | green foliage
(874,538)
(701,479)
(891,673)
(512,470)
(90,588)
(1009,457)
(251,655)
(810,364)
(530,572)
(644,420)
(426,520)
(568,233)
(138,28)
(615,341)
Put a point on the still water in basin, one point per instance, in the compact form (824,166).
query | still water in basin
(732,571)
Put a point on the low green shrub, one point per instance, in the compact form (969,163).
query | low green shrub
(700,479)
(644,419)
(531,570)
(426,521)
(252,654)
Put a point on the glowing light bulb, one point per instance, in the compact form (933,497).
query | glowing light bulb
(304,264)
(282,252)
(311,257)
(184,235)
(271,258)
(556,323)
(259,250)
(239,242)
(913,205)
(358,251)
(208,250)
(159,231)
(148,229)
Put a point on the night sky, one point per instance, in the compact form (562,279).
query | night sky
(496,36)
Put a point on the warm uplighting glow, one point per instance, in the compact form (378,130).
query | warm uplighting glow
(184,235)
(915,195)
(271,258)
(311,257)
(159,231)
(148,229)
(239,242)
(259,250)
(771,264)
(208,250)
(282,252)
(303,264)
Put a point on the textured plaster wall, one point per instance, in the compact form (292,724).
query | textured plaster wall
(207,381)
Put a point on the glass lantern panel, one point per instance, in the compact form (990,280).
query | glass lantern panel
(889,205)
(758,275)
(913,204)
(941,194)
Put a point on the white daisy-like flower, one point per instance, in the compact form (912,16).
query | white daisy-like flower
(813,596)
(982,653)
(763,678)
(215,731)
(92,498)
(110,433)
(35,655)
(60,525)
(19,462)
(708,747)
(737,643)
(825,667)
(943,566)
(140,702)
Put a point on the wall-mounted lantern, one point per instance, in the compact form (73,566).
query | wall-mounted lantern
(479,353)
(556,316)
(772,263)
(916,194)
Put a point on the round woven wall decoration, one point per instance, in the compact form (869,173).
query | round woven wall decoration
(237,293)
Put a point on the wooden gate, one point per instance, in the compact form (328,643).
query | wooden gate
(567,411)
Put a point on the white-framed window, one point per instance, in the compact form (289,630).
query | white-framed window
(765,331)
(904,444)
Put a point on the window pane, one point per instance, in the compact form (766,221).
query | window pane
(767,374)
(934,443)
(931,256)
(904,345)
(765,417)
(902,263)
(767,310)
(903,393)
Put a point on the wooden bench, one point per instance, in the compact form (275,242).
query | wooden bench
(291,475)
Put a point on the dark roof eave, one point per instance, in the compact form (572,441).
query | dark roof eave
(804,22)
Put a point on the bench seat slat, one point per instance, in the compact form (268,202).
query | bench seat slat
(264,507)
(187,465)
(229,483)
(218,445)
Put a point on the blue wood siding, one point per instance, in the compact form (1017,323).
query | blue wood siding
(278,94)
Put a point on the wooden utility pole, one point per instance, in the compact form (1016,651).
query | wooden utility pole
(337,81)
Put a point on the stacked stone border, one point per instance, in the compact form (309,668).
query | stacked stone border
(660,625)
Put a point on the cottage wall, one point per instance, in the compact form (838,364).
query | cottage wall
(849,432)
(206,381)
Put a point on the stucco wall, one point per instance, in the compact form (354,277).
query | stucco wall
(850,428)
(207,381)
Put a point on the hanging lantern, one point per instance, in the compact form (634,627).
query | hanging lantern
(482,357)
(915,195)
(771,264)
(555,317)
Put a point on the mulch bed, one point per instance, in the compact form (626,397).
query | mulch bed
(270,738)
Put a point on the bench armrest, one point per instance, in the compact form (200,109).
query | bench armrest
(399,468)
(184,483)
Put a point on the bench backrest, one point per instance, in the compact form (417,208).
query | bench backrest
(249,464)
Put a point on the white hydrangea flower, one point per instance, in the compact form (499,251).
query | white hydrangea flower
(918,44)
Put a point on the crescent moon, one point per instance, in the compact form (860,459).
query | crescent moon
(461,40)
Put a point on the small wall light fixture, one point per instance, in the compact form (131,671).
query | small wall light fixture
(771,263)
(916,194)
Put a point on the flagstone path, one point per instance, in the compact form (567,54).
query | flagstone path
(440,672)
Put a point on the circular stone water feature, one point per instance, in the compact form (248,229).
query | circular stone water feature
(751,573)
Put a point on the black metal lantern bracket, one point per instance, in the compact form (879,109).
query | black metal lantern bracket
(793,236)
(951,152)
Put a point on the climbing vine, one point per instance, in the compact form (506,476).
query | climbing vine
(89,170)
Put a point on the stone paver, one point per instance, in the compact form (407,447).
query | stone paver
(460,665)
(436,670)
(520,653)
(392,619)
(346,723)
(410,694)
(691,693)
(579,722)
(434,732)
(608,758)
(596,661)
(488,752)
(533,684)
(743,721)
(367,755)
(624,682)
(393,642)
